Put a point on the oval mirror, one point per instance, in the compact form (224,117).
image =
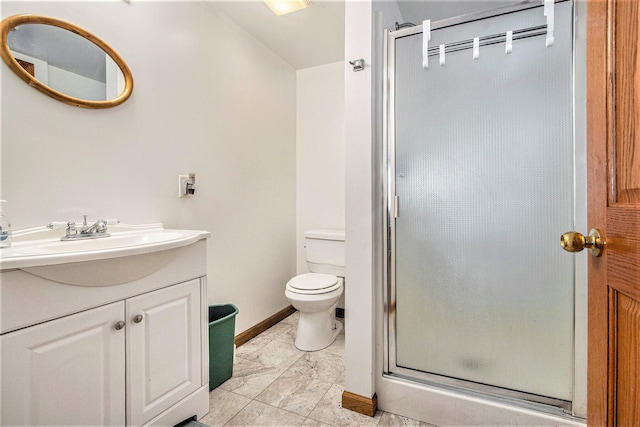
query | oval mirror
(64,61)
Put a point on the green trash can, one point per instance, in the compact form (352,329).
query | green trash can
(222,324)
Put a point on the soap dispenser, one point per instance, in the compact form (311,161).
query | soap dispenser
(5,229)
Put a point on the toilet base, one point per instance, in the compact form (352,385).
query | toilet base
(317,330)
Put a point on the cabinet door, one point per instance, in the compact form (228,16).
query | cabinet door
(68,371)
(164,349)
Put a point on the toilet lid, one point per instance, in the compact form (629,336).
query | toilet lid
(313,283)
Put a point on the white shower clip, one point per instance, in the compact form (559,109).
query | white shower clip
(549,12)
(476,47)
(508,44)
(426,36)
(442,59)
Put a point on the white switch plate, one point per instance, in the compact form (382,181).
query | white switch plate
(182,186)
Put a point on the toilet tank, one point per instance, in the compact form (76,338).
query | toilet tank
(325,251)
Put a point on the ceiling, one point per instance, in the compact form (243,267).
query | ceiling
(315,35)
(306,38)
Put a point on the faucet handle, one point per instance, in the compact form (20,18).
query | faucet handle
(101,226)
(53,225)
(71,229)
(84,222)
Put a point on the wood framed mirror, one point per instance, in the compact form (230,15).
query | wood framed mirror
(64,61)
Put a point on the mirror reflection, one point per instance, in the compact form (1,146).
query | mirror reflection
(65,61)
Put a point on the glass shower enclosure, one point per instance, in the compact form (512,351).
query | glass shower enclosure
(480,185)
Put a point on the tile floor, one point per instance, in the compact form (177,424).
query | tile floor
(275,384)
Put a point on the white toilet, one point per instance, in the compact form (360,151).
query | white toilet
(316,294)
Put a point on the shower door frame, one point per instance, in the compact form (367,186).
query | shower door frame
(576,407)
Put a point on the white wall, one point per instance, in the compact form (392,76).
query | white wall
(209,99)
(359,294)
(76,85)
(320,145)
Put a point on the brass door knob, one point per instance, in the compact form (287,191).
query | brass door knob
(575,242)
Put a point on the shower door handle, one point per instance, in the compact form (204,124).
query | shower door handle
(573,241)
(396,207)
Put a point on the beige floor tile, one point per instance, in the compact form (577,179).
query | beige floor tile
(289,336)
(261,414)
(250,378)
(329,410)
(337,347)
(392,420)
(251,346)
(223,405)
(295,393)
(275,384)
(276,330)
(277,354)
(292,320)
(340,380)
(315,423)
(320,365)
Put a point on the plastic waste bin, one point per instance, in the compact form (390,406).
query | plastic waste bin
(222,323)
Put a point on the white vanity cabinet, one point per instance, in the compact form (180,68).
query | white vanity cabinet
(133,354)
(68,371)
(163,349)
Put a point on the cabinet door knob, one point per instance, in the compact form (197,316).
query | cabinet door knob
(119,325)
(138,318)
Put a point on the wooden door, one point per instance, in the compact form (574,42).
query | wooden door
(613,98)
(65,372)
(164,349)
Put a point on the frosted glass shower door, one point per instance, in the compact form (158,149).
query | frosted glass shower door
(483,170)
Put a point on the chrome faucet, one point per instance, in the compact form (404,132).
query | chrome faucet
(98,229)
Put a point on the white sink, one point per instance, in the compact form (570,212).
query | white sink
(117,241)
(86,262)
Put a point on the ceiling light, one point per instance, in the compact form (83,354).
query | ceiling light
(282,7)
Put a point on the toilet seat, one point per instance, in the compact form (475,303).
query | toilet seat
(313,284)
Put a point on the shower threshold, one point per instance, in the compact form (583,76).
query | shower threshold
(534,402)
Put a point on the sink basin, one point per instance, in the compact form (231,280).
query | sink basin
(113,242)
(123,242)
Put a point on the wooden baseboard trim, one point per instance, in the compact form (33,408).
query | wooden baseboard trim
(360,404)
(256,330)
